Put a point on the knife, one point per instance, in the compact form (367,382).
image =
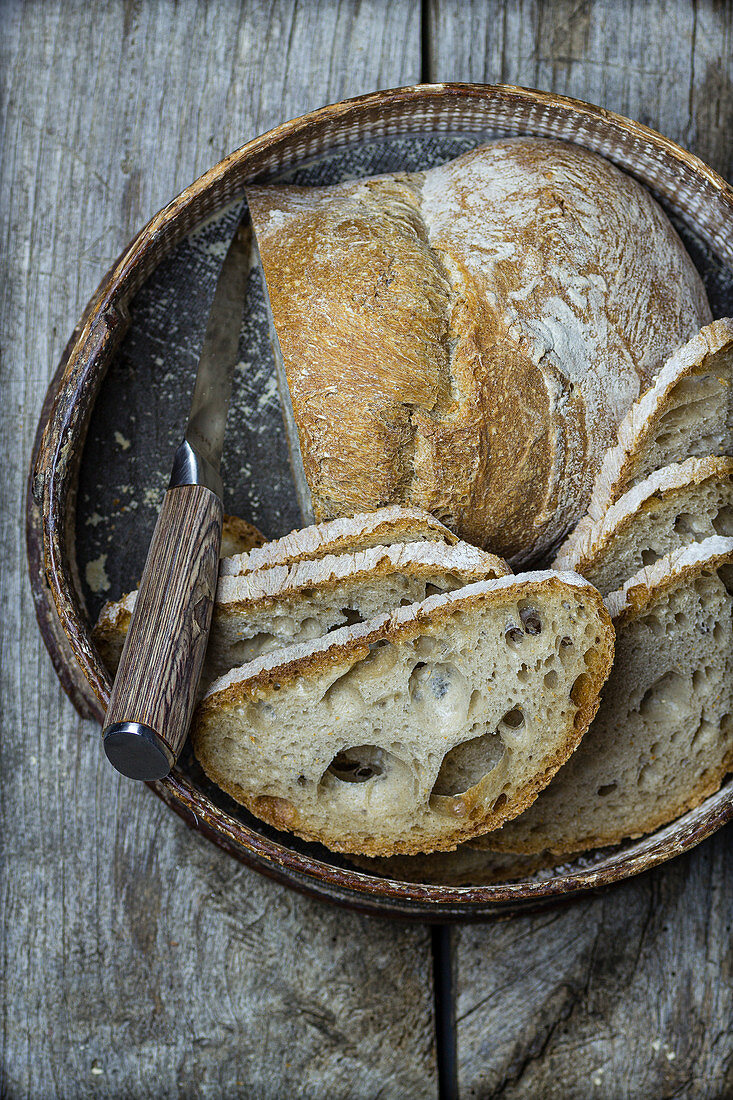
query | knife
(154,693)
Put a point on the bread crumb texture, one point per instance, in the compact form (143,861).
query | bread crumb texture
(663,738)
(419,729)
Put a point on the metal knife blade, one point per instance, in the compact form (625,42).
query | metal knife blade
(213,387)
(154,693)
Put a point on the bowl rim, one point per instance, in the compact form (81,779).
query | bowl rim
(50,542)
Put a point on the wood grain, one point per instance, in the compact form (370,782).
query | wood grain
(163,655)
(137,959)
(629,994)
(665,63)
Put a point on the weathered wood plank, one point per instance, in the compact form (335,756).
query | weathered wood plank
(666,63)
(137,959)
(625,995)
(628,995)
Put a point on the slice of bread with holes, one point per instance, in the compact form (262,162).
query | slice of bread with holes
(687,413)
(238,536)
(683,503)
(413,732)
(663,738)
(260,611)
(383,527)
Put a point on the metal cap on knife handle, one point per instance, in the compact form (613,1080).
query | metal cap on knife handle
(155,689)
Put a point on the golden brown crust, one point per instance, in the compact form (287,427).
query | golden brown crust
(343,275)
(477,374)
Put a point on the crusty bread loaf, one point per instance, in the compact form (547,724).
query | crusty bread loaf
(687,413)
(663,737)
(384,527)
(257,612)
(683,503)
(415,731)
(468,339)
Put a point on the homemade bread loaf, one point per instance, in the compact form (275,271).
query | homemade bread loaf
(468,339)
(687,413)
(418,730)
(671,508)
(384,527)
(260,611)
(663,738)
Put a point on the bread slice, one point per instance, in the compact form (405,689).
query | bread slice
(415,731)
(383,527)
(671,508)
(239,537)
(663,738)
(260,611)
(466,866)
(687,413)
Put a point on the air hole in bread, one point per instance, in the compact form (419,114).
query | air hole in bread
(685,524)
(531,620)
(474,703)
(656,627)
(718,633)
(704,733)
(650,775)
(433,590)
(499,804)
(663,697)
(648,557)
(551,680)
(513,634)
(513,718)
(426,646)
(439,692)
(698,679)
(349,617)
(467,764)
(523,674)
(579,688)
(360,764)
(723,522)
(607,788)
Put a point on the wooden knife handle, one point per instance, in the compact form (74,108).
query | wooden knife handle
(154,692)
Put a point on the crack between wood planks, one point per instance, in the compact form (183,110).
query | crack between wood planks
(444,1012)
(426,66)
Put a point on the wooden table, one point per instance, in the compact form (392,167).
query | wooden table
(138,960)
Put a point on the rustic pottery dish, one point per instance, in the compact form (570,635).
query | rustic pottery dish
(126,375)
